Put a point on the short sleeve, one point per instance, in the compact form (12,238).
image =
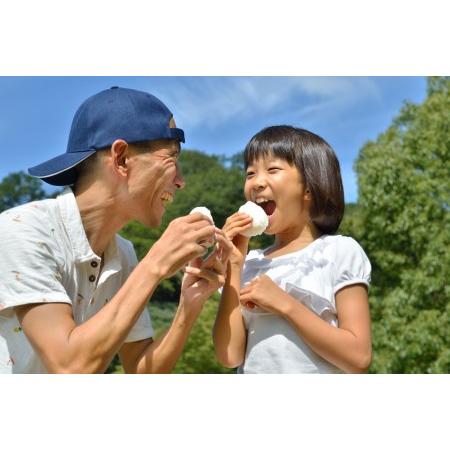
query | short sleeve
(143,328)
(29,267)
(351,264)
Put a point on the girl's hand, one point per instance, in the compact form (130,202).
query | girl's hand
(264,293)
(234,225)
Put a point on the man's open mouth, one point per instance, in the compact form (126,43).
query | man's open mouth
(167,198)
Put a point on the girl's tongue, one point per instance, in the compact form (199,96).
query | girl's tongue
(269,207)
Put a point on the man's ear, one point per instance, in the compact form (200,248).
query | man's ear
(120,153)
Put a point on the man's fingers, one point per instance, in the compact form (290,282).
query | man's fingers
(195,217)
(225,246)
(206,274)
(204,234)
(213,262)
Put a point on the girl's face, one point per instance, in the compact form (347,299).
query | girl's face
(278,188)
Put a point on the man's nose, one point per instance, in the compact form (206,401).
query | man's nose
(179,180)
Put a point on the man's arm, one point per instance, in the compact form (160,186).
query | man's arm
(201,279)
(160,355)
(66,347)
(89,347)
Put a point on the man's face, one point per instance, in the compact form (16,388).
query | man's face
(154,176)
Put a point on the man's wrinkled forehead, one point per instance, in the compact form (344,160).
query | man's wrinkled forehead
(171,146)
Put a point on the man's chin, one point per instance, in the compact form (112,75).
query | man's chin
(151,222)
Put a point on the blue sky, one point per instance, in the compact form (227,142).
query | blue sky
(218,114)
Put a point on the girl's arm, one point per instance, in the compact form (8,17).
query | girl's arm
(347,347)
(229,333)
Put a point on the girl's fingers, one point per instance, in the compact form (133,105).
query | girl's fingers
(247,288)
(238,223)
(237,215)
(232,232)
(237,220)
(247,302)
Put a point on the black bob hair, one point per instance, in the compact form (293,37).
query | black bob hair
(317,164)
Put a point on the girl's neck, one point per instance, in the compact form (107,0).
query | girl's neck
(293,240)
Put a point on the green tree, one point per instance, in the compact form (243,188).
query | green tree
(17,188)
(198,355)
(404,225)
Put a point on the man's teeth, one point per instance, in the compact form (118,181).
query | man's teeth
(167,197)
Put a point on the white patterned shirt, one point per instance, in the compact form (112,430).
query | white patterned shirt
(45,257)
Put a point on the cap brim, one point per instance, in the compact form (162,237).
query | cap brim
(60,171)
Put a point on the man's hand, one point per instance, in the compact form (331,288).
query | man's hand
(202,278)
(179,244)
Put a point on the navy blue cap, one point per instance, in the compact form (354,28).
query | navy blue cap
(116,113)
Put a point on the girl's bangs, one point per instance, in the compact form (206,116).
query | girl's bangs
(257,150)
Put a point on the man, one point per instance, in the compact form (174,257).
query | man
(72,293)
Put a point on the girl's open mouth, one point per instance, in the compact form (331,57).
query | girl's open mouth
(268,207)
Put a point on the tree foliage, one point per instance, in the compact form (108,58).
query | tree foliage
(405,228)
(17,188)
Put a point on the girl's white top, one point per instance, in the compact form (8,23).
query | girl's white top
(313,276)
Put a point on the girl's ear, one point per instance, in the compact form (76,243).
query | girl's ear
(307,194)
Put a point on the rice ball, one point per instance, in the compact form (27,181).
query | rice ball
(203,210)
(259,216)
(207,243)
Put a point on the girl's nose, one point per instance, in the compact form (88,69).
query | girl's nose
(259,182)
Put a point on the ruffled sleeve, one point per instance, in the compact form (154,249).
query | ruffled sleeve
(351,264)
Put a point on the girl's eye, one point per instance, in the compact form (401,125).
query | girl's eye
(250,174)
(273,169)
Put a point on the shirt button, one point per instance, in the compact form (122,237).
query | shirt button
(92,278)
(94,263)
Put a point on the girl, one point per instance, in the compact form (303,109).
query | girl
(301,305)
